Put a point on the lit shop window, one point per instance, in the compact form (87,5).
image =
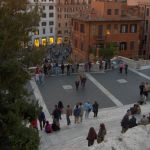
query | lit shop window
(51,40)
(59,40)
(36,43)
(43,41)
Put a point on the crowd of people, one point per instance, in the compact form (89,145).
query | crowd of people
(77,111)
(129,120)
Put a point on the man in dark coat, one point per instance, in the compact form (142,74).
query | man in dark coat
(95,109)
(41,118)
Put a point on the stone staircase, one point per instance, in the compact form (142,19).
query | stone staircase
(73,137)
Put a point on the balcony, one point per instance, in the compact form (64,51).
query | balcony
(99,38)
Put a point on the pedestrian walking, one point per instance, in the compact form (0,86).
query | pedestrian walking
(76,113)
(56,116)
(77,82)
(92,136)
(41,118)
(60,107)
(126,69)
(121,66)
(62,68)
(95,109)
(87,108)
(68,114)
(101,134)
(68,69)
(83,80)
(81,111)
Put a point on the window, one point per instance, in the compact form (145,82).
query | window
(43,7)
(51,23)
(43,31)
(147,11)
(51,7)
(123,46)
(146,26)
(124,28)
(51,15)
(131,45)
(100,31)
(116,11)
(43,23)
(133,28)
(116,26)
(36,43)
(108,11)
(44,15)
(44,41)
(82,28)
(51,40)
(51,30)
(81,46)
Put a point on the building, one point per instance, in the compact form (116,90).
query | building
(45,33)
(103,24)
(66,9)
(144,12)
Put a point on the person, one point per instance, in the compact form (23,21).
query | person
(33,124)
(41,118)
(87,108)
(56,68)
(141,87)
(101,134)
(76,113)
(144,120)
(37,73)
(132,122)
(77,67)
(146,90)
(89,66)
(56,115)
(62,68)
(148,117)
(60,107)
(121,66)
(126,69)
(92,136)
(48,127)
(95,109)
(55,126)
(45,69)
(125,122)
(68,69)
(81,111)
(83,80)
(68,114)
(77,82)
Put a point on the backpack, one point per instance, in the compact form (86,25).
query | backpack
(76,112)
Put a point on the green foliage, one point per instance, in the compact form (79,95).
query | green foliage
(109,51)
(92,51)
(16,21)
(33,57)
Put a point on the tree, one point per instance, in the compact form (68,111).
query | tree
(109,51)
(16,21)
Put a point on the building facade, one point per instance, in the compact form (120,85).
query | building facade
(66,9)
(45,33)
(103,24)
(144,12)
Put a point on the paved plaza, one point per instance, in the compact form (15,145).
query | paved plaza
(114,92)
(124,88)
